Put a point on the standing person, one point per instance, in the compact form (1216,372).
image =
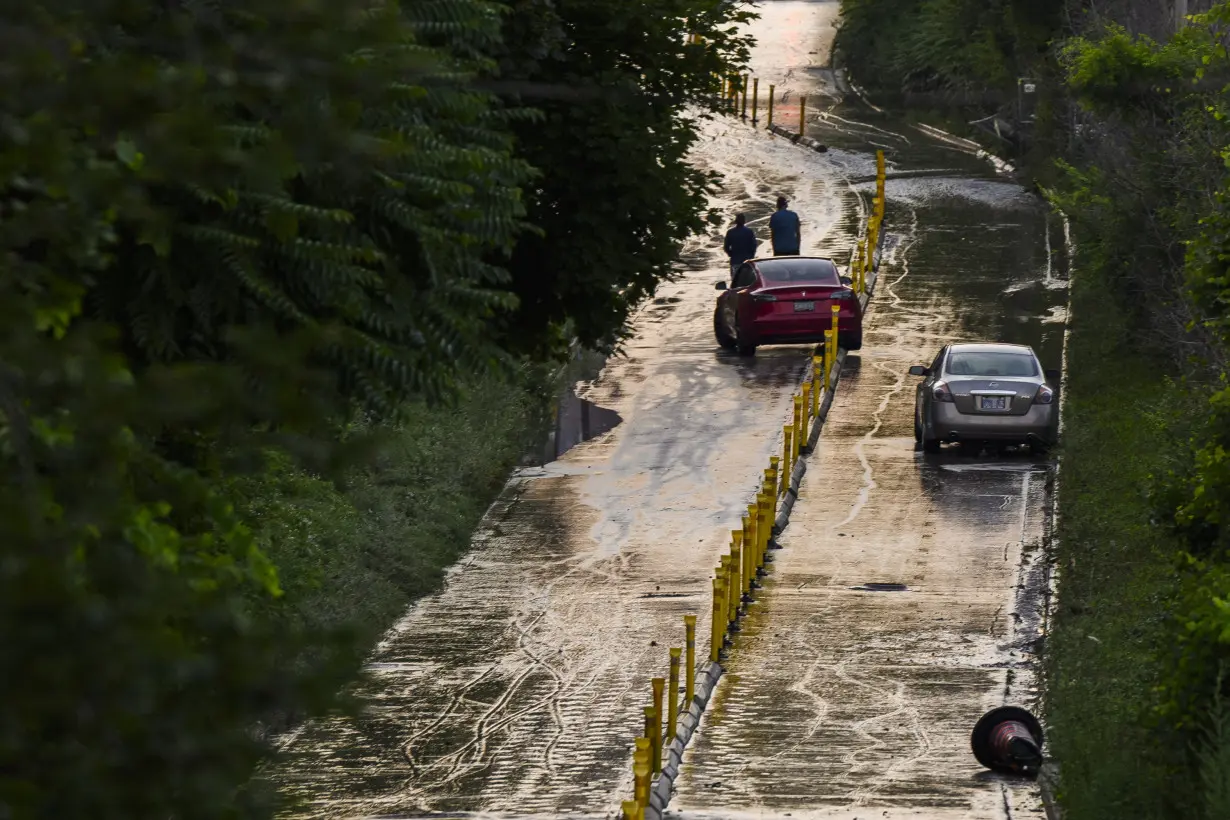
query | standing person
(784,230)
(741,243)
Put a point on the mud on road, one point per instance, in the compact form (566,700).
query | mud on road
(517,690)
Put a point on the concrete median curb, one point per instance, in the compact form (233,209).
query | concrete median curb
(707,676)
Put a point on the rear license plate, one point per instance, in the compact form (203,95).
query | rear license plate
(800,307)
(992,402)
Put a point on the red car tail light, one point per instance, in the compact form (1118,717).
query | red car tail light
(940,392)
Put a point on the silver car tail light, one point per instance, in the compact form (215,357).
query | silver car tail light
(940,392)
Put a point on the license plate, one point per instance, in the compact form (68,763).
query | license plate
(800,307)
(992,402)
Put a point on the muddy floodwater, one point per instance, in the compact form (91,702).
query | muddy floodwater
(906,601)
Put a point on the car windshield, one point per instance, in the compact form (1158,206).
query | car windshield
(971,363)
(798,271)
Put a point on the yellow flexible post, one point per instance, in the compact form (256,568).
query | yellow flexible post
(631,809)
(802,113)
(650,720)
(755,98)
(836,337)
(717,628)
(769,487)
(743,113)
(796,432)
(787,460)
(641,770)
(724,571)
(860,274)
(753,520)
(672,702)
(775,464)
(805,416)
(689,660)
(772,89)
(737,570)
(659,691)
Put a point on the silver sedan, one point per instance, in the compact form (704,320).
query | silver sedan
(993,393)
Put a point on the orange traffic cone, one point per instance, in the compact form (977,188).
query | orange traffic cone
(1008,739)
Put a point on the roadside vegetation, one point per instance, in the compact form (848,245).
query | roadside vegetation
(282,286)
(1132,142)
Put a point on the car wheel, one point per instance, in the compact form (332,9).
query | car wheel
(745,350)
(917,427)
(723,338)
(851,341)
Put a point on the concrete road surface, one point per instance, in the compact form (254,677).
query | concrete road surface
(517,690)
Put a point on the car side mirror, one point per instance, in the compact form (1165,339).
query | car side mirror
(846,280)
(1052,375)
(720,286)
(919,370)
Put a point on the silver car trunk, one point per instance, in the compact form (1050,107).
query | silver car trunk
(993,397)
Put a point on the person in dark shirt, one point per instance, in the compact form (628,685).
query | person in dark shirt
(784,230)
(741,243)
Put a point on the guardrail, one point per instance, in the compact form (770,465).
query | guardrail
(739,570)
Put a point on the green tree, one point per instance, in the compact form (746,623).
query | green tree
(619,91)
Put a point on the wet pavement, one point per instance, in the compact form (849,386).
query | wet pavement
(517,689)
(908,595)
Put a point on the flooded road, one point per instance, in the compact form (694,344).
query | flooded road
(517,690)
(909,591)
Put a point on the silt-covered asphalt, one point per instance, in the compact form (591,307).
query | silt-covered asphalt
(517,690)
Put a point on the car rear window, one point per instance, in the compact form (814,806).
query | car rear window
(970,363)
(789,271)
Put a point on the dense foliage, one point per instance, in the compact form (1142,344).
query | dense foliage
(231,231)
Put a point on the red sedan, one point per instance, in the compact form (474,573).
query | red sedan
(786,300)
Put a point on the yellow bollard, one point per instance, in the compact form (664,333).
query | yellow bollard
(631,810)
(805,416)
(672,705)
(880,167)
(772,89)
(717,629)
(802,113)
(724,571)
(829,346)
(753,519)
(796,433)
(749,541)
(737,570)
(659,690)
(787,460)
(817,378)
(836,334)
(689,660)
(860,275)
(641,770)
(766,527)
(743,114)
(654,764)
(769,487)
(755,98)
(761,530)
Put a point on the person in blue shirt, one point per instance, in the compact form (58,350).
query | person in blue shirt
(784,230)
(741,243)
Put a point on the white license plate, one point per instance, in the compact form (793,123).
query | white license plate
(992,402)
(800,307)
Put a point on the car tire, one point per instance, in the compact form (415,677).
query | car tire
(851,341)
(917,427)
(745,350)
(723,338)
